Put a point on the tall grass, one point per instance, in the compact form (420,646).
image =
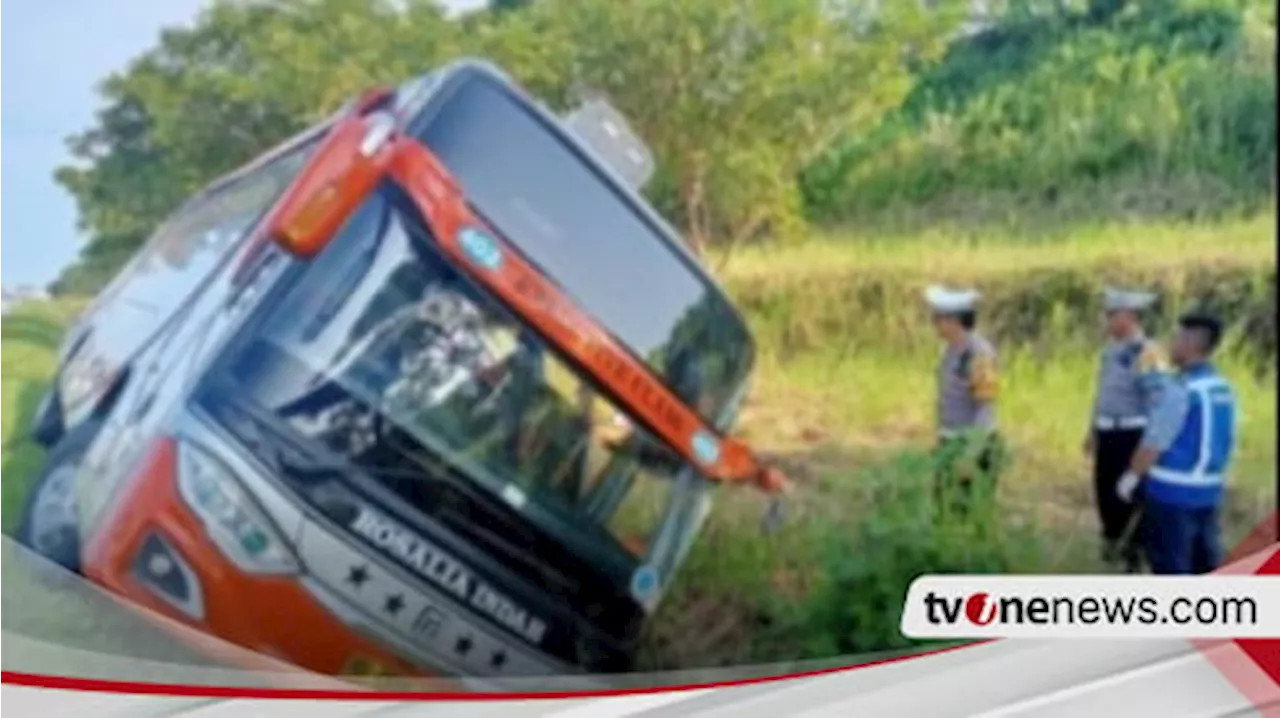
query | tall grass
(853,433)
(855,292)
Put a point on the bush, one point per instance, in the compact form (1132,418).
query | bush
(856,605)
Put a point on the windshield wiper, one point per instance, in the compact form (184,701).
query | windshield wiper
(309,468)
(430,467)
(508,522)
(284,458)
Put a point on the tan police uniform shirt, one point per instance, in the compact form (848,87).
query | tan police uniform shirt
(967,387)
(1128,381)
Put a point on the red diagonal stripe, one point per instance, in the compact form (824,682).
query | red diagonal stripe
(1254,667)
(1265,652)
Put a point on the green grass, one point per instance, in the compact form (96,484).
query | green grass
(976,253)
(846,409)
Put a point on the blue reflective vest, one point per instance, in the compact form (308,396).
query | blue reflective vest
(1191,470)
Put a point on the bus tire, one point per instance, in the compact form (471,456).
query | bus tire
(48,524)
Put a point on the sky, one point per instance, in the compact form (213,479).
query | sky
(52,57)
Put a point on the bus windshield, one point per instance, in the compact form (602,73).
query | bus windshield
(388,355)
(554,205)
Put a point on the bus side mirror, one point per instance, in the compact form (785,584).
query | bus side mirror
(340,173)
(606,132)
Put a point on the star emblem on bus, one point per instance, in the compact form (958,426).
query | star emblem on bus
(358,576)
(395,602)
(463,645)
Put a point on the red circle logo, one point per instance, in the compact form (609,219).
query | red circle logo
(980,609)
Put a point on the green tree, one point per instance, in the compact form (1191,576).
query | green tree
(735,98)
(210,97)
(175,118)
(1155,107)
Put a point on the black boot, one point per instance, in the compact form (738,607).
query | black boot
(1132,560)
(1109,553)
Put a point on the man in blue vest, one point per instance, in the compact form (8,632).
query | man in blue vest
(1184,456)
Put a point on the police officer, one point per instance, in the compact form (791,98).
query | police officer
(1127,385)
(1182,462)
(969,448)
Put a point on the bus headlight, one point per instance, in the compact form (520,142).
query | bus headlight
(232,520)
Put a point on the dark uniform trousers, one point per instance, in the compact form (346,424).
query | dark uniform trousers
(957,493)
(1182,541)
(1113,451)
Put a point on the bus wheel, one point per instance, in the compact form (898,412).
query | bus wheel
(49,524)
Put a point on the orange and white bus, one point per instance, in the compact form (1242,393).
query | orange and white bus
(427,390)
